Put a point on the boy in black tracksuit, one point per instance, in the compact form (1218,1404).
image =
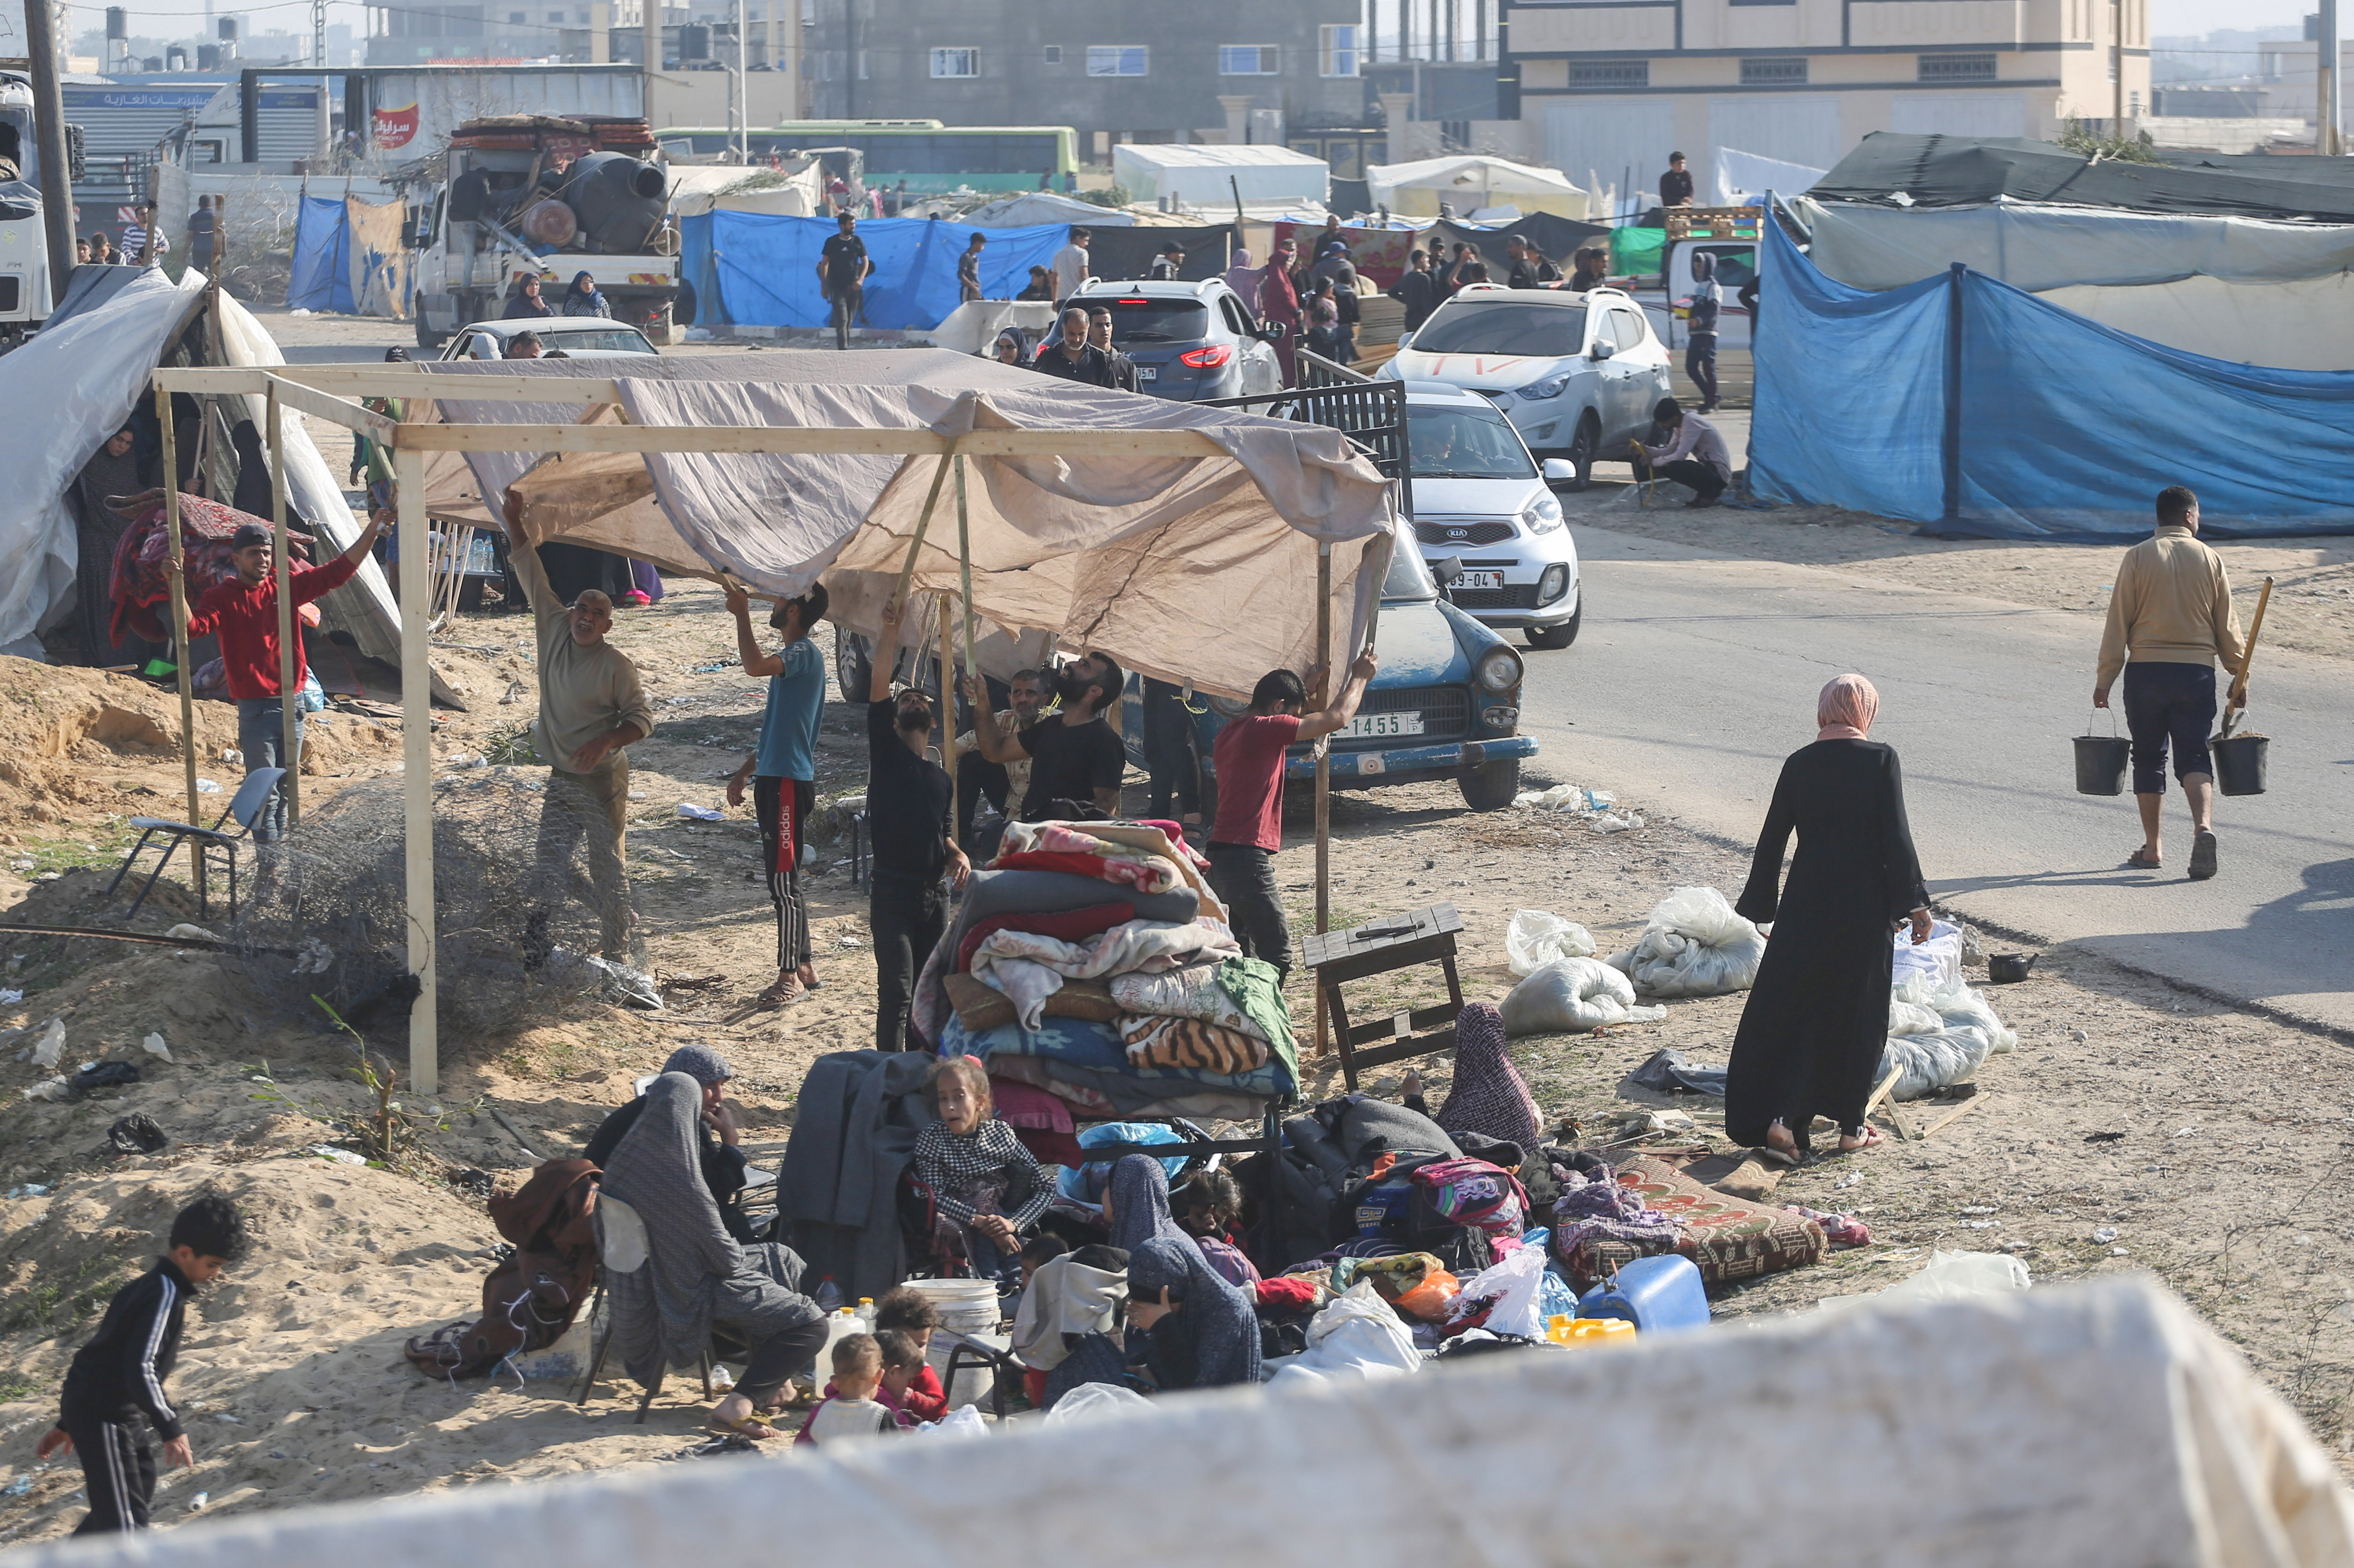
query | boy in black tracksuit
(118,1377)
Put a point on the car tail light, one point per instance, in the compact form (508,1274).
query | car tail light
(1208,358)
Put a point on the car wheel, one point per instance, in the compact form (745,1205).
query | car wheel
(1560,636)
(1490,785)
(427,338)
(1582,450)
(851,666)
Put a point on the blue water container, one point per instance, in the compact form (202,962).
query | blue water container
(1657,1294)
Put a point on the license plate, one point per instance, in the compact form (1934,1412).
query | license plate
(1147,373)
(1375,726)
(1480,580)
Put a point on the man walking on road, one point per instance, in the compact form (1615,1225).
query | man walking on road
(842,270)
(1070,264)
(968,271)
(2170,618)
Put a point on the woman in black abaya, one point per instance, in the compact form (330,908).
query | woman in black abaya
(1817,1020)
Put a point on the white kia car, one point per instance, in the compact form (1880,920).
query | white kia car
(1479,499)
(1577,375)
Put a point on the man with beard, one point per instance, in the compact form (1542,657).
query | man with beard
(908,800)
(1077,759)
(978,777)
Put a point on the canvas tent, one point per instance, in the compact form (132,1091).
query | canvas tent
(1210,178)
(1959,171)
(2100,1425)
(1469,184)
(1034,207)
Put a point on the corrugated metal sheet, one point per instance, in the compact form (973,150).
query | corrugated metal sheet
(121,125)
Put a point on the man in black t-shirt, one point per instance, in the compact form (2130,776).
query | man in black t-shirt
(1530,268)
(909,797)
(968,271)
(1075,755)
(842,269)
(1676,185)
(1071,358)
(1123,368)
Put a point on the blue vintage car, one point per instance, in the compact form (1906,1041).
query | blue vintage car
(1445,703)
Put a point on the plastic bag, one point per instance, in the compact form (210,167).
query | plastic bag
(1535,937)
(1907,1016)
(965,1420)
(1572,996)
(1356,1335)
(51,1045)
(1946,1277)
(1097,1402)
(1938,960)
(1503,1299)
(1693,944)
(1924,1064)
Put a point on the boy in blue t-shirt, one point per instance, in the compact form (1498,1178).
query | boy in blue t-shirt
(783,771)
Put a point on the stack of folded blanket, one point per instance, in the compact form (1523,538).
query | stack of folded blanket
(1092,960)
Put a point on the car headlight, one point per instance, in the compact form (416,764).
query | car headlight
(1542,515)
(1537,391)
(1499,668)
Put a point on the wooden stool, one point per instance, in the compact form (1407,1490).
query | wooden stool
(1376,947)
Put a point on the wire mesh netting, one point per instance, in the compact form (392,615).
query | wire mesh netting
(531,903)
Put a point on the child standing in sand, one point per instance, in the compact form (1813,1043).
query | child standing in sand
(851,1411)
(118,1378)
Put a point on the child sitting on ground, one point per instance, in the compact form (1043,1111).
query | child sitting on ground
(1206,1208)
(903,1364)
(987,1189)
(910,1312)
(851,1411)
(118,1377)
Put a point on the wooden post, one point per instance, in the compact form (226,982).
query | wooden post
(1322,694)
(964,571)
(180,611)
(947,695)
(923,526)
(417,765)
(290,699)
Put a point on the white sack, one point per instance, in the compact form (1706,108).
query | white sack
(2100,1425)
(1357,1336)
(1535,937)
(1939,959)
(1693,944)
(1571,996)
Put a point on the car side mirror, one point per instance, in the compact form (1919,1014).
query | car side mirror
(1269,332)
(1560,470)
(1449,570)
(1603,348)
(1405,340)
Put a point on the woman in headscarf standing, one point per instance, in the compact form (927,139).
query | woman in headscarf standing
(1817,1021)
(584,300)
(1278,301)
(1243,279)
(696,1278)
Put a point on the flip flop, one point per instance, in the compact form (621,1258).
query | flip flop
(1872,1138)
(750,1426)
(2142,860)
(1788,1158)
(777,997)
(2202,857)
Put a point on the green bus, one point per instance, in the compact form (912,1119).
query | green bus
(930,156)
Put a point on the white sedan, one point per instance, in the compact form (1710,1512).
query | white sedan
(1577,375)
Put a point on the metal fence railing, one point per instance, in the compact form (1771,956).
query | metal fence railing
(1371,413)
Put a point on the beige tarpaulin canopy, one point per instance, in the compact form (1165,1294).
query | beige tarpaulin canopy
(1196,568)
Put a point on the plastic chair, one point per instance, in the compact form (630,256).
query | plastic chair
(245,806)
(621,1249)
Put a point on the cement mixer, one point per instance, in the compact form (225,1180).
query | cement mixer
(556,196)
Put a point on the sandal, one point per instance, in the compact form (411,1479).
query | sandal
(1790,1159)
(1869,1137)
(2142,860)
(752,1426)
(2202,857)
(783,993)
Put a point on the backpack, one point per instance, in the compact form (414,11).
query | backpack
(1470,1192)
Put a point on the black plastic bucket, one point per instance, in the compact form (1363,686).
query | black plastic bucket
(2239,763)
(2101,762)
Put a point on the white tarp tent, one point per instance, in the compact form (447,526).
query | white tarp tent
(1469,183)
(1034,207)
(1259,173)
(2240,289)
(705,188)
(2098,1425)
(1200,568)
(73,385)
(1743,177)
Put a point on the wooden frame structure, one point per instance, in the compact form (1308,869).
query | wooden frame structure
(328,392)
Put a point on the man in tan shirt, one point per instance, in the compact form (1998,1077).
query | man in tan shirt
(2170,618)
(591,706)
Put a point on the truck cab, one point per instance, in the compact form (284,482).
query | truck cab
(551,196)
(25,284)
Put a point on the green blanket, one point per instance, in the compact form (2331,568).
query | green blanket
(1257,987)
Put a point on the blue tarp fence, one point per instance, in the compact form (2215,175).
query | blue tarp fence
(323,257)
(762,269)
(1978,409)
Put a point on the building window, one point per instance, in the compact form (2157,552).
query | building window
(1772,72)
(514,19)
(1248,60)
(1053,54)
(555,15)
(1116,59)
(1338,44)
(956,62)
(1957,68)
(1609,73)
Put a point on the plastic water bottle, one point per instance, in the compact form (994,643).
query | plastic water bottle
(867,1314)
(828,1296)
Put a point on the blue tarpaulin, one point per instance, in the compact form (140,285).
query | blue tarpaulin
(322,279)
(765,267)
(1973,406)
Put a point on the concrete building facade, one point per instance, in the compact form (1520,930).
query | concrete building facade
(1611,87)
(1210,70)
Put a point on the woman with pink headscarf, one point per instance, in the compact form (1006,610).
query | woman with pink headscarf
(1817,1021)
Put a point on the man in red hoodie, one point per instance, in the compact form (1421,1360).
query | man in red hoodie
(244,614)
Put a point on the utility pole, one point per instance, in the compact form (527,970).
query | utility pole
(49,132)
(2117,70)
(649,23)
(319,57)
(2325,100)
(743,88)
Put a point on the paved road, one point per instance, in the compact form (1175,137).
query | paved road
(1696,674)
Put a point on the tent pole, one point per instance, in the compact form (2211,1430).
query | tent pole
(416,764)
(290,699)
(179,610)
(947,695)
(1322,694)
(964,569)
(923,526)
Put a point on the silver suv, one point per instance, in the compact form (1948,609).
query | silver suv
(1190,341)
